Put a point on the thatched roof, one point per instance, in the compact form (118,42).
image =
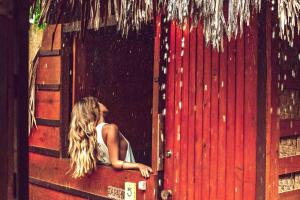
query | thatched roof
(131,14)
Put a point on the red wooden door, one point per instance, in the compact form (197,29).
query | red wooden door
(211,116)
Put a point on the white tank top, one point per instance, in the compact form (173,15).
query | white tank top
(104,155)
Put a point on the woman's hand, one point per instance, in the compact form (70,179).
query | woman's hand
(145,170)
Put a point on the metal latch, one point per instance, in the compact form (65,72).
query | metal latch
(168,154)
(165,194)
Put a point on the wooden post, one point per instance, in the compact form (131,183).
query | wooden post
(13,98)
(261,103)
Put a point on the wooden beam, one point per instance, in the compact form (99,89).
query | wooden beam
(47,122)
(54,171)
(21,10)
(48,87)
(292,195)
(261,99)
(5,117)
(64,189)
(76,25)
(44,151)
(45,53)
(155,101)
(65,93)
(289,165)
(289,127)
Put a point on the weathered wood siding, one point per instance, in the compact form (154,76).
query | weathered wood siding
(48,163)
(211,116)
(283,78)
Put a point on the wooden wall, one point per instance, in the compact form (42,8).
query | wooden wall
(211,121)
(48,161)
(283,78)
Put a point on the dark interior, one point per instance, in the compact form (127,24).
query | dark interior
(119,71)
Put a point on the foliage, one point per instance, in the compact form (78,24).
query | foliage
(35,14)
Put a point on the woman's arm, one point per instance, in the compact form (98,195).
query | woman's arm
(113,138)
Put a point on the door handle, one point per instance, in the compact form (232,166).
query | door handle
(165,194)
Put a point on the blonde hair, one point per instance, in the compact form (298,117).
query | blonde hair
(83,148)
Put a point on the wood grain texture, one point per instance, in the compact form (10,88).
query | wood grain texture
(289,127)
(230,119)
(170,115)
(45,137)
(185,113)
(239,123)
(48,105)
(49,70)
(192,114)
(199,112)
(292,195)
(53,170)
(223,84)
(178,112)
(206,145)
(289,165)
(47,38)
(273,131)
(215,65)
(40,193)
(155,97)
(209,118)
(250,108)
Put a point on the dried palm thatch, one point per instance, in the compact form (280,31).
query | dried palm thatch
(288,15)
(31,95)
(131,14)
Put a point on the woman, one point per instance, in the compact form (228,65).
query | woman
(91,139)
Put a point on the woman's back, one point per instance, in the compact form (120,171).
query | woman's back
(125,150)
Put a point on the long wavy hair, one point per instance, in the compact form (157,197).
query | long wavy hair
(83,148)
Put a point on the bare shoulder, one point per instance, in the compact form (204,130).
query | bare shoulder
(111,130)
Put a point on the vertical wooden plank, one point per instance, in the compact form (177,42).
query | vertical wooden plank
(239,135)
(250,108)
(185,113)
(74,51)
(274,134)
(222,123)
(65,101)
(199,112)
(155,153)
(206,123)
(269,101)
(21,10)
(272,118)
(5,100)
(214,124)
(230,132)
(191,122)
(178,105)
(170,107)
(261,99)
